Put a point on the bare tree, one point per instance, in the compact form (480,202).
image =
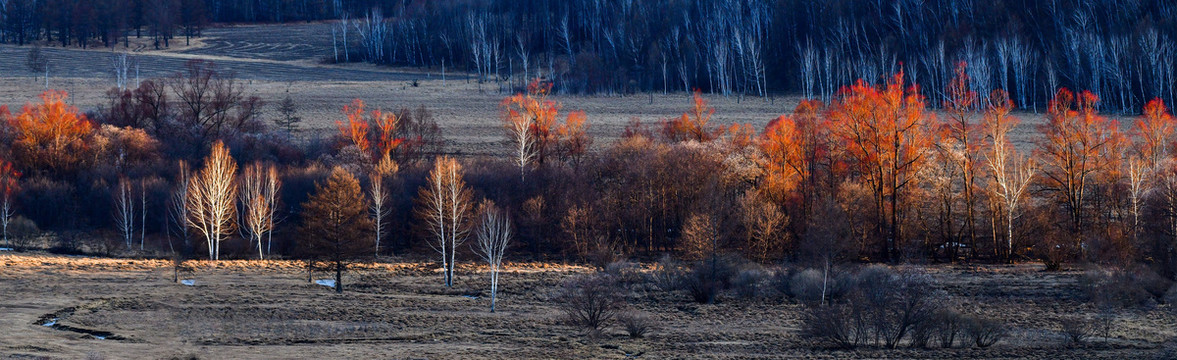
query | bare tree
(494,235)
(444,205)
(124,210)
(178,207)
(212,196)
(121,65)
(1011,173)
(379,193)
(258,185)
(8,184)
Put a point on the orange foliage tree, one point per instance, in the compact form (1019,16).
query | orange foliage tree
(362,128)
(1077,144)
(530,121)
(885,133)
(51,136)
(694,124)
(794,147)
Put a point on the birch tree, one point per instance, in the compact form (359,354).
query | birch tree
(124,210)
(8,185)
(379,193)
(444,205)
(258,185)
(1010,173)
(212,196)
(178,203)
(494,235)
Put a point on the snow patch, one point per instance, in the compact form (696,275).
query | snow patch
(51,322)
(5,249)
(188,282)
(472,297)
(327,283)
(99,337)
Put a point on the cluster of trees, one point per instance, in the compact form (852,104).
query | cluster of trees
(872,175)
(1121,51)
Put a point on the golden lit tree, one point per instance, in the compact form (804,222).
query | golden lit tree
(335,223)
(885,133)
(258,196)
(51,136)
(212,199)
(1075,146)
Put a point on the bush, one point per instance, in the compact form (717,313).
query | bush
(1138,288)
(882,306)
(624,272)
(750,283)
(1077,329)
(636,324)
(589,301)
(984,332)
(947,324)
(709,277)
(807,286)
(22,232)
(668,275)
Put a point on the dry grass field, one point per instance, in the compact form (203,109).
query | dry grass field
(118,308)
(273,60)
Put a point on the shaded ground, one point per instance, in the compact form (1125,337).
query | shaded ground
(249,309)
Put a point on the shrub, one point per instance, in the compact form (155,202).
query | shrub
(947,324)
(881,306)
(1077,329)
(589,301)
(636,324)
(750,283)
(668,275)
(710,277)
(839,324)
(1134,288)
(624,272)
(807,286)
(984,332)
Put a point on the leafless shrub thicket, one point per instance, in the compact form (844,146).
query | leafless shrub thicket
(637,324)
(882,307)
(1077,329)
(1136,288)
(589,301)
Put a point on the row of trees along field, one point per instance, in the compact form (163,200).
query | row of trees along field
(1122,51)
(871,176)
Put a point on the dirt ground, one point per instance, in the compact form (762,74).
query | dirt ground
(118,308)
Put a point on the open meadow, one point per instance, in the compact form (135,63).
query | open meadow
(122,308)
(271,63)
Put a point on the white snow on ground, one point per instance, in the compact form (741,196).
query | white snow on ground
(5,249)
(327,283)
(99,337)
(188,282)
(51,322)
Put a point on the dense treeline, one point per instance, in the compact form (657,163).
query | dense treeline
(870,176)
(1120,51)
